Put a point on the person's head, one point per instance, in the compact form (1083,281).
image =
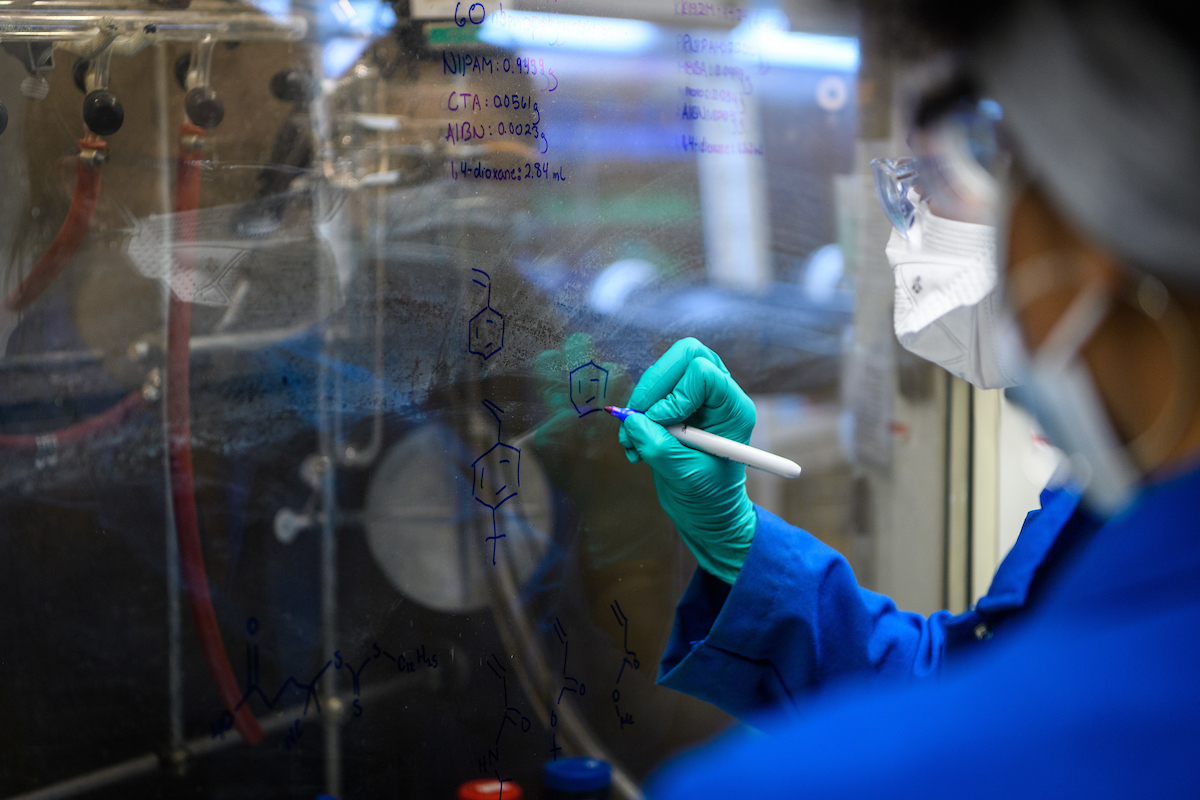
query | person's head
(1095,110)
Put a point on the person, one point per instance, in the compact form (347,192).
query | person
(1074,674)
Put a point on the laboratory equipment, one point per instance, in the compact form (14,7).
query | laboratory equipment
(577,779)
(292,500)
(490,789)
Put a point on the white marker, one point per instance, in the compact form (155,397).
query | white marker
(723,448)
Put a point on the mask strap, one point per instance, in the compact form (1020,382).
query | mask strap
(1082,318)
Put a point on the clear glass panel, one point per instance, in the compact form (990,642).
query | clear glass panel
(305,487)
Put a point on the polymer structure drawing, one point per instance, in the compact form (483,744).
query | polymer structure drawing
(254,687)
(512,717)
(485,331)
(629,659)
(589,387)
(496,476)
(312,699)
(570,684)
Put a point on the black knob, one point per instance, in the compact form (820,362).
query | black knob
(3,116)
(102,112)
(291,85)
(79,74)
(204,107)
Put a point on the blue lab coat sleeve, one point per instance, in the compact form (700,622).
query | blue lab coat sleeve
(1090,691)
(795,618)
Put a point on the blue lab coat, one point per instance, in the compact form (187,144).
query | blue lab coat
(1076,676)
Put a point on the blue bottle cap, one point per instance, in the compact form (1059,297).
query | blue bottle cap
(577,774)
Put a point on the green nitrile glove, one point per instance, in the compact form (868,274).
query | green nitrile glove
(703,494)
(581,458)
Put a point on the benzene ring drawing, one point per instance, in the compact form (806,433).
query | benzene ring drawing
(485,331)
(589,387)
(496,475)
(495,487)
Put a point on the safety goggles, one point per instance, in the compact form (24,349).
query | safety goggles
(960,163)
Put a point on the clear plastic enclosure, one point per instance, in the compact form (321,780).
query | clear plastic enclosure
(310,312)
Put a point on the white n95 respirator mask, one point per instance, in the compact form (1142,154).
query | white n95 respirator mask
(947,308)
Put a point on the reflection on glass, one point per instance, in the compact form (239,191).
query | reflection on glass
(304,486)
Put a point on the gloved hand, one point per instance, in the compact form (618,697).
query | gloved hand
(617,511)
(626,543)
(703,494)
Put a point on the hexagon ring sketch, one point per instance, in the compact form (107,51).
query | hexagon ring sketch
(497,475)
(589,387)
(485,331)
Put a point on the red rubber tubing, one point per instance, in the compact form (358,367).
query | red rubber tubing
(28,442)
(49,267)
(70,235)
(179,442)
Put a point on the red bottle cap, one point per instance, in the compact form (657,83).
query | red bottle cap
(490,789)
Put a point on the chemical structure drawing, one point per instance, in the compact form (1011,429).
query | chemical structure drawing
(312,699)
(485,331)
(570,684)
(554,748)
(629,658)
(513,717)
(496,476)
(589,388)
